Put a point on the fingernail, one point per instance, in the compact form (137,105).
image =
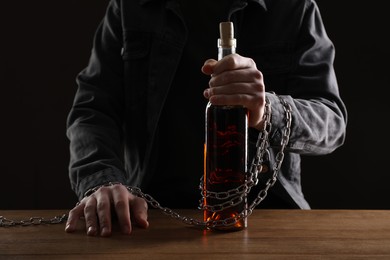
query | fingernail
(104,232)
(67,227)
(91,231)
(146,224)
(206,93)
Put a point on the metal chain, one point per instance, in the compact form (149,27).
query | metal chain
(279,156)
(4,222)
(236,194)
(252,178)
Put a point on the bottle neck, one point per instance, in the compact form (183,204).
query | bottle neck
(225,50)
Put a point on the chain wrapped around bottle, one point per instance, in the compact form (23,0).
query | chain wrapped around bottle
(237,194)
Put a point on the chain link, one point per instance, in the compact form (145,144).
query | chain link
(4,222)
(236,195)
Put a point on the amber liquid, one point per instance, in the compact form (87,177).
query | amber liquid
(225,159)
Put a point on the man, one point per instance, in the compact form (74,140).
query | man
(138,114)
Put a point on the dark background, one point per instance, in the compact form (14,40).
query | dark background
(44,44)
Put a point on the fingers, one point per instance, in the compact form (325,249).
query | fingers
(139,212)
(98,207)
(127,207)
(208,66)
(234,75)
(235,92)
(91,221)
(103,210)
(73,217)
(121,204)
(229,62)
(88,209)
(235,80)
(96,210)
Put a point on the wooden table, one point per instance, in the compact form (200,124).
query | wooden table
(271,234)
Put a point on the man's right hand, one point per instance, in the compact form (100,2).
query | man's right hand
(97,210)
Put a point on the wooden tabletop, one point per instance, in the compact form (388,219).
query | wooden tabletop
(271,234)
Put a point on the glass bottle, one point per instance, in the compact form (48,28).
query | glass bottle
(225,154)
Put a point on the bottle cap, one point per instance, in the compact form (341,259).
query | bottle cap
(226,31)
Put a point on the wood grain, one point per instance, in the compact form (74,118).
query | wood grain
(271,234)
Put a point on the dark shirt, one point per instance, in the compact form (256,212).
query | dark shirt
(126,110)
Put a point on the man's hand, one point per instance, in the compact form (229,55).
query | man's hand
(97,209)
(235,80)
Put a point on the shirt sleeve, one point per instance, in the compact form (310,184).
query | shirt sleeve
(95,120)
(319,116)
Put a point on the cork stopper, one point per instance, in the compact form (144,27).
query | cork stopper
(226,31)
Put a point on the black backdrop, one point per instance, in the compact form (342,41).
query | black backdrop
(44,44)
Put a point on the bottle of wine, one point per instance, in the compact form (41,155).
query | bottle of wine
(225,154)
